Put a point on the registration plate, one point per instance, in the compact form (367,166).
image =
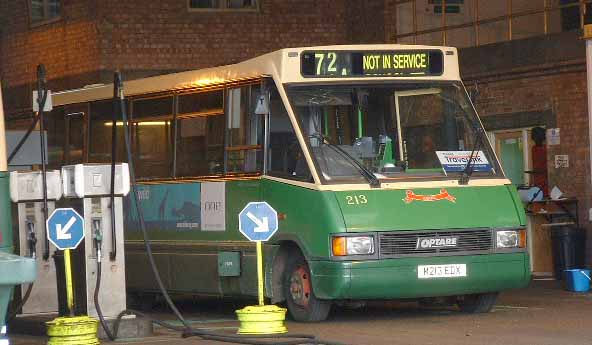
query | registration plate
(441,271)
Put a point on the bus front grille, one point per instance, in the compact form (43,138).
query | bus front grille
(439,243)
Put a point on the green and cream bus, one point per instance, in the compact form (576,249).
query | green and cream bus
(362,150)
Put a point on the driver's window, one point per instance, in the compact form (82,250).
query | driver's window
(286,158)
(427,123)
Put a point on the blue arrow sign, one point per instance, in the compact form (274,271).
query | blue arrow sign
(258,221)
(65,228)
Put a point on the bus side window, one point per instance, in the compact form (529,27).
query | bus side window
(99,132)
(244,131)
(286,158)
(76,116)
(54,123)
(151,131)
(200,134)
(65,129)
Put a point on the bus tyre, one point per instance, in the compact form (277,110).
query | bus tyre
(477,303)
(302,304)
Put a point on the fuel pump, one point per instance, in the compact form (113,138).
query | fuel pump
(88,190)
(26,189)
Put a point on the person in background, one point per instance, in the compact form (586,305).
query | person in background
(425,156)
(539,160)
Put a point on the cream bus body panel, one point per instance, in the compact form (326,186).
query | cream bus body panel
(279,64)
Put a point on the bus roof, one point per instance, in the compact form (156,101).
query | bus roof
(283,65)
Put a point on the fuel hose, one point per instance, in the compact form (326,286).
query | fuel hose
(113,253)
(98,242)
(21,304)
(42,95)
(32,244)
(42,90)
(22,141)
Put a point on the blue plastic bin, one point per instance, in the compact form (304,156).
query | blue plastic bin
(577,280)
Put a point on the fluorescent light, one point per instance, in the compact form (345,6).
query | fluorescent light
(147,123)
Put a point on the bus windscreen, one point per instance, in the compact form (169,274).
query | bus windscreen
(346,64)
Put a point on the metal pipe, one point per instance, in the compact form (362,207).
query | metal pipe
(476,22)
(260,283)
(588,38)
(175,130)
(546,17)
(3,161)
(443,22)
(509,4)
(582,12)
(469,24)
(69,282)
(267,133)
(414,9)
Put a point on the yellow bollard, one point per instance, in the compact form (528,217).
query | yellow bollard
(80,330)
(72,330)
(261,319)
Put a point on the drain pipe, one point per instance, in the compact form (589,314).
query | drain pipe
(588,38)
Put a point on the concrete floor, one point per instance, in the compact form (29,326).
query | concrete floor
(541,314)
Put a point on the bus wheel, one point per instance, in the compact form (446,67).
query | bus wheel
(302,303)
(478,303)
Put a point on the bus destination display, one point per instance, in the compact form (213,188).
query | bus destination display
(401,63)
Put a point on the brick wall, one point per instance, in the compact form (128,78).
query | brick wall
(143,38)
(366,21)
(165,35)
(563,94)
(68,48)
(390,15)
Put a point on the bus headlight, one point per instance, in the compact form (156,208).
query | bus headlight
(353,245)
(510,239)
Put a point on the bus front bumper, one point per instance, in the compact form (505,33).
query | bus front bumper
(398,278)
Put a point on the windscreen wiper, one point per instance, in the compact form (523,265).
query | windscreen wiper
(469,168)
(368,175)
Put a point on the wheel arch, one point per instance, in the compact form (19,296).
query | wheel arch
(286,249)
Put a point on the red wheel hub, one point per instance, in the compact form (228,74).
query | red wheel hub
(300,287)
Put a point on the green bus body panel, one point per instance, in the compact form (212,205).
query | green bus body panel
(238,194)
(518,204)
(189,261)
(310,216)
(397,278)
(472,207)
(188,258)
